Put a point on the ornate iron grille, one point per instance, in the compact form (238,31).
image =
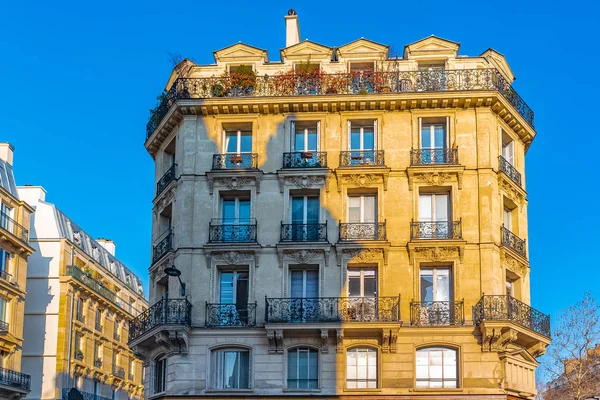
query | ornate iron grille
(364,158)
(164,181)
(363,231)
(74,394)
(304,232)
(79,355)
(513,242)
(5,276)
(509,170)
(98,327)
(164,312)
(434,156)
(80,317)
(244,231)
(305,159)
(437,313)
(118,371)
(333,309)
(233,315)
(164,244)
(3,327)
(507,308)
(15,379)
(13,227)
(235,161)
(436,230)
(97,363)
(91,283)
(341,84)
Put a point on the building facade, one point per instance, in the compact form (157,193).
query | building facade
(346,224)
(15,250)
(81,300)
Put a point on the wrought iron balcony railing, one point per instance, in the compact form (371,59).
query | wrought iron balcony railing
(362,158)
(74,394)
(431,313)
(434,156)
(509,170)
(79,355)
(130,377)
(118,371)
(91,283)
(98,327)
(362,231)
(340,84)
(436,230)
(230,315)
(97,363)
(513,242)
(332,309)
(163,245)
(164,312)
(164,181)
(5,276)
(304,232)
(240,231)
(80,317)
(13,227)
(305,159)
(15,379)
(3,327)
(507,308)
(235,161)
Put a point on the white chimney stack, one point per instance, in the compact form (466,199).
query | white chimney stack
(292,29)
(108,244)
(6,153)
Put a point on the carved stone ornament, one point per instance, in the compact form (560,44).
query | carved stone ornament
(537,350)
(434,178)
(493,340)
(324,340)
(166,198)
(362,256)
(234,183)
(514,265)
(231,257)
(339,347)
(303,256)
(306,181)
(393,340)
(385,340)
(362,180)
(436,253)
(510,191)
(158,271)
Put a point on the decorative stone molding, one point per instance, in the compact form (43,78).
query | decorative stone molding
(232,257)
(513,264)
(493,340)
(434,178)
(158,270)
(339,348)
(362,180)
(234,182)
(165,198)
(436,254)
(275,339)
(537,350)
(361,255)
(324,340)
(393,340)
(385,340)
(510,190)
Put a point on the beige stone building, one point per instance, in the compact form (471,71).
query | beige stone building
(14,253)
(80,302)
(346,224)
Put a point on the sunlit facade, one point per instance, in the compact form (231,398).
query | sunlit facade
(80,301)
(346,224)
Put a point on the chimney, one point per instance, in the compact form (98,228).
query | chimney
(32,195)
(6,153)
(108,244)
(292,29)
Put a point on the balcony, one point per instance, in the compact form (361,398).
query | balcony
(98,327)
(508,309)
(80,317)
(230,315)
(324,84)
(243,231)
(364,158)
(436,230)
(98,363)
(15,380)
(87,280)
(509,170)
(303,232)
(164,181)
(333,309)
(74,394)
(164,312)
(430,157)
(3,327)
(10,225)
(513,242)
(305,159)
(437,313)
(6,277)
(118,371)
(362,231)
(235,161)
(162,246)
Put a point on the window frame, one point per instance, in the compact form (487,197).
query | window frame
(214,375)
(236,270)
(305,198)
(445,124)
(362,208)
(163,378)
(368,349)
(362,270)
(238,198)
(435,269)
(457,366)
(361,126)
(434,209)
(238,135)
(306,135)
(310,350)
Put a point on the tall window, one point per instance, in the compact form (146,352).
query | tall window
(303,368)
(305,217)
(98,319)
(508,148)
(78,341)
(361,368)
(5,258)
(362,142)
(7,217)
(231,369)
(306,136)
(362,209)
(236,210)
(437,368)
(96,388)
(508,219)
(510,287)
(98,351)
(233,290)
(362,290)
(237,142)
(434,135)
(434,216)
(304,284)
(435,284)
(160,375)
(3,307)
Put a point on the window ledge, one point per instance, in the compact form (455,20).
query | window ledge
(302,390)
(156,395)
(363,390)
(228,390)
(455,390)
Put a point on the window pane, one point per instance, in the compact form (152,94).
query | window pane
(246,142)
(231,142)
(441,207)
(370,284)
(425,208)
(354,286)
(299,140)
(440,136)
(426,285)
(426,137)
(297,210)
(297,284)
(228,210)
(312,212)
(368,138)
(244,211)
(450,384)
(226,287)
(369,209)
(312,140)
(442,291)
(312,284)
(353,209)
(355,139)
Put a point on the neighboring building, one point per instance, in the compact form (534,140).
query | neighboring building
(80,301)
(346,224)
(14,253)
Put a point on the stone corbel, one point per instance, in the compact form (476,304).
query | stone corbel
(179,341)
(272,343)
(281,181)
(338,256)
(256,258)
(258,180)
(326,254)
(279,341)
(324,340)
(338,180)
(327,179)
(208,256)
(339,348)
(385,340)
(385,181)
(393,340)
(537,350)
(211,183)
(280,257)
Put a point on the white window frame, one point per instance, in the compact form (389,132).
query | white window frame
(308,350)
(368,351)
(238,139)
(217,376)
(163,377)
(432,125)
(237,200)
(362,280)
(507,218)
(362,137)
(293,136)
(434,210)
(435,276)
(362,208)
(510,287)
(428,379)
(304,279)
(236,272)
(508,149)
(305,207)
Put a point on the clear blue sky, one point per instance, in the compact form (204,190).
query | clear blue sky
(78,79)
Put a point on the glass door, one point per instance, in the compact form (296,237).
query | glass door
(362,144)
(362,294)
(434,142)
(304,291)
(436,307)
(305,218)
(236,219)
(362,218)
(238,149)
(434,218)
(233,297)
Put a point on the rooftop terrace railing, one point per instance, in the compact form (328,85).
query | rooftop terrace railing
(318,84)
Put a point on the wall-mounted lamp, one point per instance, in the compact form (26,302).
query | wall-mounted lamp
(173,271)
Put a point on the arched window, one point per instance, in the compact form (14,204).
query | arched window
(361,368)
(231,368)
(159,375)
(437,367)
(303,368)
